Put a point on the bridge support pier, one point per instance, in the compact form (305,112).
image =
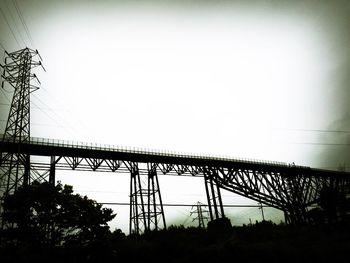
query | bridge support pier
(146,207)
(26,175)
(155,211)
(216,209)
(295,211)
(52,176)
(138,217)
(296,215)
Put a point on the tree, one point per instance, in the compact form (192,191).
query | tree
(47,215)
(334,204)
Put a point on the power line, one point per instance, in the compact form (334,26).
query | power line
(319,130)
(322,144)
(23,22)
(3,14)
(3,92)
(37,124)
(333,167)
(72,132)
(59,125)
(9,104)
(185,221)
(7,91)
(82,125)
(184,205)
(14,21)
(2,46)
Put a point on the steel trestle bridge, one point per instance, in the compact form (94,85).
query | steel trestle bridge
(292,189)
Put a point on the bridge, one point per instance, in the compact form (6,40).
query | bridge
(290,188)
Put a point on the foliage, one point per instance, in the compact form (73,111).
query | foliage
(47,215)
(51,224)
(261,242)
(334,204)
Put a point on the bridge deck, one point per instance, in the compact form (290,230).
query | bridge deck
(54,147)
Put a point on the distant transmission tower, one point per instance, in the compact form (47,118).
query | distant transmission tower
(262,211)
(17,72)
(198,209)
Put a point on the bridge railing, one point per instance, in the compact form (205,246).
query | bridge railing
(135,150)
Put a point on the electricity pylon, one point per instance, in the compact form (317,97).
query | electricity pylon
(198,209)
(17,72)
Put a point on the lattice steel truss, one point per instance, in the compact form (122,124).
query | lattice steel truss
(138,217)
(212,189)
(17,72)
(146,208)
(293,190)
(155,211)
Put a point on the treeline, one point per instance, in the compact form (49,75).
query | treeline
(263,242)
(46,223)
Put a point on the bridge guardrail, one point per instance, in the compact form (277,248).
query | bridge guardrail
(137,150)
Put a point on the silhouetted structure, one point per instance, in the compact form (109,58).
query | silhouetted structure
(145,214)
(17,73)
(200,214)
(292,189)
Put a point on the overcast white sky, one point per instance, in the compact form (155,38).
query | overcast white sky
(264,80)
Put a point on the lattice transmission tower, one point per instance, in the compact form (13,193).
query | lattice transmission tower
(17,73)
(201,213)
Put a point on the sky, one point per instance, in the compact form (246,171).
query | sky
(250,79)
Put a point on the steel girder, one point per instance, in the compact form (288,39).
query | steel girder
(291,190)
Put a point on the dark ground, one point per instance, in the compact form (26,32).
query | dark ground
(262,242)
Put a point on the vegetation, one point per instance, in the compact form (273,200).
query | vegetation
(51,224)
(48,216)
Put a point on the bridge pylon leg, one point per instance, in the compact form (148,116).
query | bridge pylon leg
(138,217)
(295,211)
(146,207)
(154,202)
(216,209)
(52,175)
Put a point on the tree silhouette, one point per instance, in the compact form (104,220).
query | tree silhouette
(47,215)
